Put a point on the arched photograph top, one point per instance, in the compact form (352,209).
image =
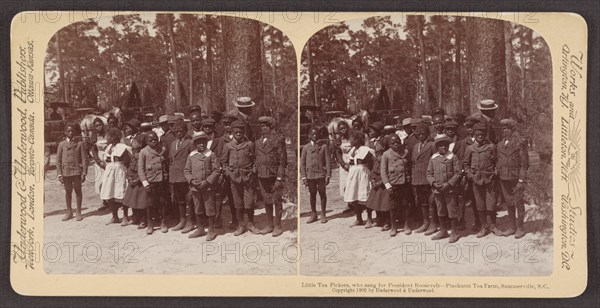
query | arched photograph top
(166,132)
(400,99)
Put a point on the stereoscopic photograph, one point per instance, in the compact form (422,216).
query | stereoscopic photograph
(170,146)
(426,148)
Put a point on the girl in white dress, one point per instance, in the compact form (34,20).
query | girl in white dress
(114,178)
(342,148)
(358,184)
(97,150)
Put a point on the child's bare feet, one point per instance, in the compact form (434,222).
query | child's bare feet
(68,216)
(78,216)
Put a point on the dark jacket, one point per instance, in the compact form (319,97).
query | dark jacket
(420,161)
(395,167)
(480,163)
(315,161)
(513,159)
(178,155)
(237,160)
(271,156)
(71,157)
(152,166)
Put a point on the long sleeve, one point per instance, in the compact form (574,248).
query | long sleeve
(282,158)
(456,177)
(524,163)
(328,166)
(142,168)
(225,158)
(303,162)
(430,173)
(384,171)
(187,170)
(84,158)
(59,154)
(466,164)
(214,162)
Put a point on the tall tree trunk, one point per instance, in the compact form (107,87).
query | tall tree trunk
(312,87)
(440,101)
(274,64)
(508,50)
(173,107)
(488,71)
(424,106)
(241,40)
(209,65)
(61,69)
(190,66)
(457,63)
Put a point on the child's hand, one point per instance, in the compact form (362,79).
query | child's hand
(326,180)
(203,184)
(445,187)
(83,178)
(60,178)
(148,189)
(305,182)
(195,183)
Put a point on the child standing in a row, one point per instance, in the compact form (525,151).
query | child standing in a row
(71,166)
(114,178)
(358,182)
(315,169)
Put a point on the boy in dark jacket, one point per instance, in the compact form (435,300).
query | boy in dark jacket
(444,174)
(71,166)
(421,153)
(315,170)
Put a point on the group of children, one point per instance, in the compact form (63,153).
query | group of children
(180,166)
(417,168)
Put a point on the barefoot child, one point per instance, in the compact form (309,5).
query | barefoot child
(71,166)
(315,169)
(358,182)
(201,172)
(152,170)
(114,179)
(238,162)
(444,175)
(395,174)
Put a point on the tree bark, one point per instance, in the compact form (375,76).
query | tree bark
(311,75)
(488,72)
(170,108)
(190,66)
(209,64)
(61,69)
(440,92)
(424,105)
(509,55)
(458,64)
(241,40)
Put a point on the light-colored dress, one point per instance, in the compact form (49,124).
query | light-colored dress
(358,184)
(114,178)
(345,147)
(101,144)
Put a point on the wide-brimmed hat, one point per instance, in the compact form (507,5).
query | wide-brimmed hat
(388,129)
(243,102)
(406,121)
(442,139)
(508,122)
(163,119)
(200,136)
(487,104)
(267,120)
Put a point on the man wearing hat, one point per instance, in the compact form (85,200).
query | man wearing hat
(513,162)
(238,162)
(400,131)
(466,197)
(178,152)
(201,172)
(409,125)
(244,106)
(480,167)
(270,164)
(421,154)
(165,122)
(208,128)
(444,174)
(487,112)
(224,181)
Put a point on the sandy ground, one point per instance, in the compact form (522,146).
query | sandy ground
(91,246)
(336,249)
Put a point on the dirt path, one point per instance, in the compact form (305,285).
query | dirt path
(336,249)
(92,247)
